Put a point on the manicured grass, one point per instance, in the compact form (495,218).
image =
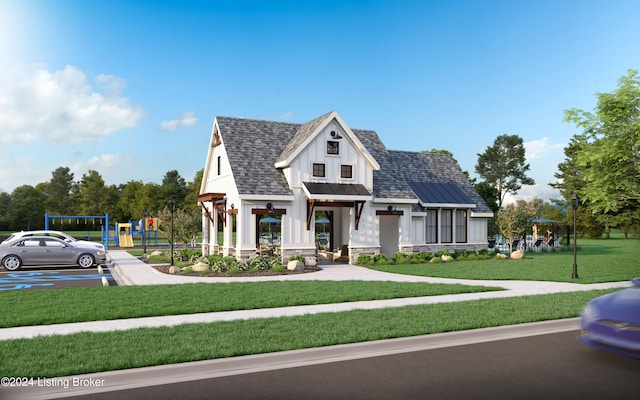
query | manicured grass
(44,307)
(94,352)
(600,260)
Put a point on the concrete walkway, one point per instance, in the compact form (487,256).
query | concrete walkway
(128,270)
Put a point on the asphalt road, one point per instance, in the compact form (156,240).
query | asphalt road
(549,366)
(33,278)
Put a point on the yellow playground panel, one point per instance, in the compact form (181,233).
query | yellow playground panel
(125,236)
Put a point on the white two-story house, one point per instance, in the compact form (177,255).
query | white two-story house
(292,188)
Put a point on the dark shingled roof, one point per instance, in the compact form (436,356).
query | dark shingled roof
(254,146)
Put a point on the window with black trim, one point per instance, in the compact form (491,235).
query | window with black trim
(461,226)
(346,171)
(219,165)
(333,147)
(432,225)
(447,226)
(318,170)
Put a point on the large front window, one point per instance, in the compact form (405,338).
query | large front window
(447,226)
(461,226)
(432,225)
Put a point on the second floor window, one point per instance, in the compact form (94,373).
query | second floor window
(346,171)
(318,170)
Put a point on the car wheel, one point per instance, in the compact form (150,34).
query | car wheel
(12,263)
(86,260)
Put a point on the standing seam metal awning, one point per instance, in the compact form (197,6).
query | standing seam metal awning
(336,191)
(336,195)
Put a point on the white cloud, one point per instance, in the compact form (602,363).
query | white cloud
(530,192)
(60,107)
(541,148)
(188,119)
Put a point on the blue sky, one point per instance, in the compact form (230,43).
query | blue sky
(131,88)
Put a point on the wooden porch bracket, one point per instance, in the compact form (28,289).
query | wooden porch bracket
(358,205)
(311,205)
(207,212)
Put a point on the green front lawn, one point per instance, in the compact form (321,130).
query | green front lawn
(44,307)
(599,260)
(84,353)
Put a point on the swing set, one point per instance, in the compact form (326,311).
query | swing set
(103,219)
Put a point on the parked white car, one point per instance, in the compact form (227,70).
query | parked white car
(55,234)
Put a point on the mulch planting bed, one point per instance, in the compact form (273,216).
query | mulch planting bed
(164,268)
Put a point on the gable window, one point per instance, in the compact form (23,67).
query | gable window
(219,165)
(346,171)
(432,225)
(318,170)
(461,226)
(333,147)
(447,226)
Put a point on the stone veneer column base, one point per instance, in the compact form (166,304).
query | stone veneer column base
(354,253)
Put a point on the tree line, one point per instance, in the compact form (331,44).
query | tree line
(25,207)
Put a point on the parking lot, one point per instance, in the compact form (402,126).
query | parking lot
(33,278)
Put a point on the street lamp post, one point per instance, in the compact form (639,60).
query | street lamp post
(142,230)
(576,201)
(172,205)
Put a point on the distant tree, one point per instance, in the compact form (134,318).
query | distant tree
(58,192)
(514,219)
(174,187)
(191,200)
(186,225)
(5,209)
(91,195)
(27,208)
(504,166)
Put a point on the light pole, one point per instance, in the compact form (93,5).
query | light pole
(172,205)
(142,230)
(576,201)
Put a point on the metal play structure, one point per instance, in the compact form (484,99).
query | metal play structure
(104,223)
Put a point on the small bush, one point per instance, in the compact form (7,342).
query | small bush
(364,259)
(435,260)
(274,262)
(257,264)
(420,258)
(380,258)
(234,271)
(441,253)
(399,258)
(277,268)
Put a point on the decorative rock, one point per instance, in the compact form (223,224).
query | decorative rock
(295,265)
(446,258)
(156,253)
(198,267)
(517,255)
(500,255)
(174,269)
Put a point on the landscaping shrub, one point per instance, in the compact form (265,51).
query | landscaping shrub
(420,258)
(364,259)
(379,258)
(257,264)
(399,258)
(275,262)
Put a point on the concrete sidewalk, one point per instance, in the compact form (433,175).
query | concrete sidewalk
(128,270)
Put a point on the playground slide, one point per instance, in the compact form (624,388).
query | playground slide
(126,240)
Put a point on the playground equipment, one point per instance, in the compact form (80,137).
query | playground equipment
(103,219)
(125,237)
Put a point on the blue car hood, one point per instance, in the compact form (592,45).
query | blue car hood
(620,306)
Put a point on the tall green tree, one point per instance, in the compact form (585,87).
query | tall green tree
(174,187)
(58,191)
(27,208)
(609,155)
(191,200)
(5,209)
(91,195)
(504,166)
